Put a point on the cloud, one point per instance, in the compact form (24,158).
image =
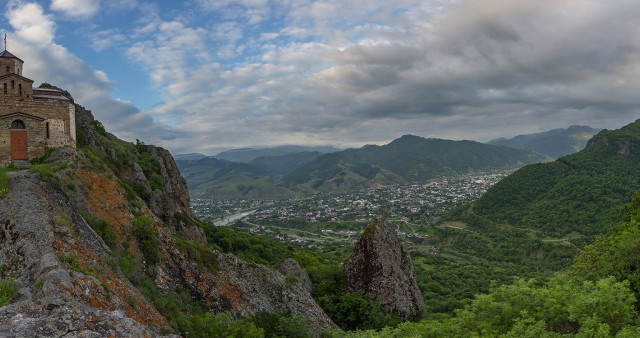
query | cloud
(236,73)
(30,23)
(354,72)
(45,61)
(76,8)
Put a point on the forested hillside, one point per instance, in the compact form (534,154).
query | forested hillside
(545,212)
(596,297)
(409,159)
(220,179)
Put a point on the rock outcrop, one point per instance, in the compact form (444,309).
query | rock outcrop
(289,267)
(58,264)
(245,289)
(68,241)
(381,267)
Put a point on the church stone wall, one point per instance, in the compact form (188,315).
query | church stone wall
(55,112)
(49,116)
(35,136)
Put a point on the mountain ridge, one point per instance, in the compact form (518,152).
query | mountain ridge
(408,159)
(555,143)
(567,202)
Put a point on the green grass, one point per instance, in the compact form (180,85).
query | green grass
(4,182)
(8,291)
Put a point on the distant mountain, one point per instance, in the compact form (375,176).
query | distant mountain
(408,159)
(405,160)
(284,164)
(220,179)
(190,156)
(544,212)
(555,143)
(247,155)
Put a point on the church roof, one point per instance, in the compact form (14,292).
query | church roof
(5,54)
(16,76)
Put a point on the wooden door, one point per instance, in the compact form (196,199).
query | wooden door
(18,144)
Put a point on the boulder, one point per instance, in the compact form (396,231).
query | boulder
(381,267)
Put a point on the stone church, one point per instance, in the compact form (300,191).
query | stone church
(31,119)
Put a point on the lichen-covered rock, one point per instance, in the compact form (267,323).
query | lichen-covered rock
(242,288)
(71,320)
(175,196)
(289,267)
(69,277)
(381,267)
(59,267)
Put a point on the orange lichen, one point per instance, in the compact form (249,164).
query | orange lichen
(105,200)
(100,286)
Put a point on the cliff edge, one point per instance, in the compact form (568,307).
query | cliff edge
(100,241)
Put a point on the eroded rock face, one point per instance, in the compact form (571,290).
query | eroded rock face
(66,275)
(289,267)
(244,289)
(381,267)
(175,196)
(57,262)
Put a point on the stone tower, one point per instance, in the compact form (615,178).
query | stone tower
(31,119)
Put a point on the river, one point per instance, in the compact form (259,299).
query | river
(233,218)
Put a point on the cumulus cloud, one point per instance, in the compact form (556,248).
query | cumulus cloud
(238,73)
(354,72)
(46,61)
(76,8)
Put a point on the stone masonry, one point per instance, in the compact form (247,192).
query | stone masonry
(45,116)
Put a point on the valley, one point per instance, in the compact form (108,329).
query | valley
(329,224)
(340,216)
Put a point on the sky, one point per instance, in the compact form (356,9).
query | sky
(210,75)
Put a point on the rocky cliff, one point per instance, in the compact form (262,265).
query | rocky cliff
(89,235)
(381,267)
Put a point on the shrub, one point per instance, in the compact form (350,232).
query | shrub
(290,280)
(203,256)
(147,236)
(151,169)
(41,159)
(103,228)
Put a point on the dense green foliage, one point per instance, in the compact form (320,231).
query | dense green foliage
(448,283)
(579,192)
(253,249)
(615,254)
(526,309)
(543,213)
(147,237)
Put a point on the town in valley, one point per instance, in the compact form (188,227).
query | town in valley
(330,218)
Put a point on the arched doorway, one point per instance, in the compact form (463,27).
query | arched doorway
(18,141)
